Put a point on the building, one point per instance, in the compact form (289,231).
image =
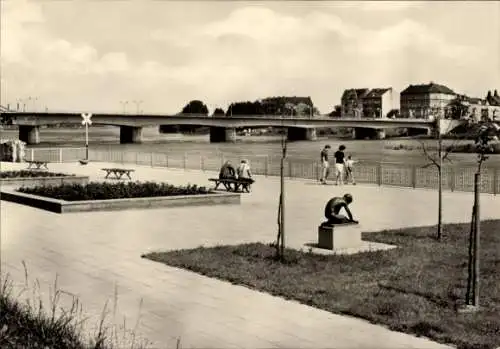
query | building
(378,103)
(425,101)
(352,102)
(366,103)
(483,109)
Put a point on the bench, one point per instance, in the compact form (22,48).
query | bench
(118,172)
(339,236)
(38,164)
(232,184)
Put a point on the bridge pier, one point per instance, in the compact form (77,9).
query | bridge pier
(29,134)
(380,134)
(301,134)
(130,134)
(222,134)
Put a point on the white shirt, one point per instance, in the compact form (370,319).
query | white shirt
(350,163)
(244,171)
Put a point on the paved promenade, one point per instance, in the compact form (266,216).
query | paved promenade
(95,254)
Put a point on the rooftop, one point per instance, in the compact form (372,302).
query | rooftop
(427,88)
(355,93)
(377,92)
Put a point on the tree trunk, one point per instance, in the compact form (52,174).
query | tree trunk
(440,205)
(440,189)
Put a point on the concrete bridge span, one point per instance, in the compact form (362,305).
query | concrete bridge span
(222,128)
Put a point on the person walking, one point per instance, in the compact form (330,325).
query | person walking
(339,165)
(325,165)
(349,163)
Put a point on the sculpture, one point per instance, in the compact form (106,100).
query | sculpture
(332,211)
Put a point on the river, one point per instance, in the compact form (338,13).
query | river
(103,137)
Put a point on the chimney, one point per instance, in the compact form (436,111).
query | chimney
(496,93)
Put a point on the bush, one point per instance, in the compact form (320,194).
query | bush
(31,174)
(106,191)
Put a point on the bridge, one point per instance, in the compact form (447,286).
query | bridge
(222,128)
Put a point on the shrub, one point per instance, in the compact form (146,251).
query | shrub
(106,191)
(31,174)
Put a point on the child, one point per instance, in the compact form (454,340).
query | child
(349,169)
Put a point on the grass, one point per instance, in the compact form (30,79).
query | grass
(31,174)
(30,324)
(415,288)
(106,191)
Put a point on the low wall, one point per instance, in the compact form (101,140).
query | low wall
(62,206)
(43,181)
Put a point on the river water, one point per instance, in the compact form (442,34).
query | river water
(103,137)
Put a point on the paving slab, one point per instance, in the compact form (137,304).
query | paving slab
(96,256)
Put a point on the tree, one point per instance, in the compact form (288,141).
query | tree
(336,112)
(436,159)
(487,133)
(195,107)
(280,240)
(219,111)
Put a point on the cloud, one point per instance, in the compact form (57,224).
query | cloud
(250,52)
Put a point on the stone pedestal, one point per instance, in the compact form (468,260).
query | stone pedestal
(339,236)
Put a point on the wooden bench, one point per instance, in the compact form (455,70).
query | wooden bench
(233,184)
(339,236)
(118,172)
(38,164)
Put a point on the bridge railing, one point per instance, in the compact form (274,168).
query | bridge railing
(455,178)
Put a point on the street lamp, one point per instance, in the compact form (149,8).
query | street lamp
(137,104)
(124,106)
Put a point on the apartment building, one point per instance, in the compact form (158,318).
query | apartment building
(425,101)
(368,103)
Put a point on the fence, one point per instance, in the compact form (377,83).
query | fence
(455,178)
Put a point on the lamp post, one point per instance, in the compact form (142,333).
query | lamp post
(124,106)
(137,104)
(86,121)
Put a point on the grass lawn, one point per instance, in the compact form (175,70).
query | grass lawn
(414,289)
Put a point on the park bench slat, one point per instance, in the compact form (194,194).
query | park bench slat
(38,163)
(245,184)
(118,172)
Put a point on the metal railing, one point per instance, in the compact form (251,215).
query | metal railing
(455,178)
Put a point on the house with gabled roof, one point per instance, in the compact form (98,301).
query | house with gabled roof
(425,101)
(368,103)
(378,102)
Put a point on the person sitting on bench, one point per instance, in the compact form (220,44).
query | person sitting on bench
(244,175)
(227,171)
(244,172)
(333,207)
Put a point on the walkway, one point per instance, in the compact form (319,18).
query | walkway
(94,253)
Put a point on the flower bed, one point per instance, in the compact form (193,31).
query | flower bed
(107,191)
(31,174)
(116,196)
(25,178)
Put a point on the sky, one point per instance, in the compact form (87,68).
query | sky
(87,55)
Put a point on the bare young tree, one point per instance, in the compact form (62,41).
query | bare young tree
(488,132)
(436,159)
